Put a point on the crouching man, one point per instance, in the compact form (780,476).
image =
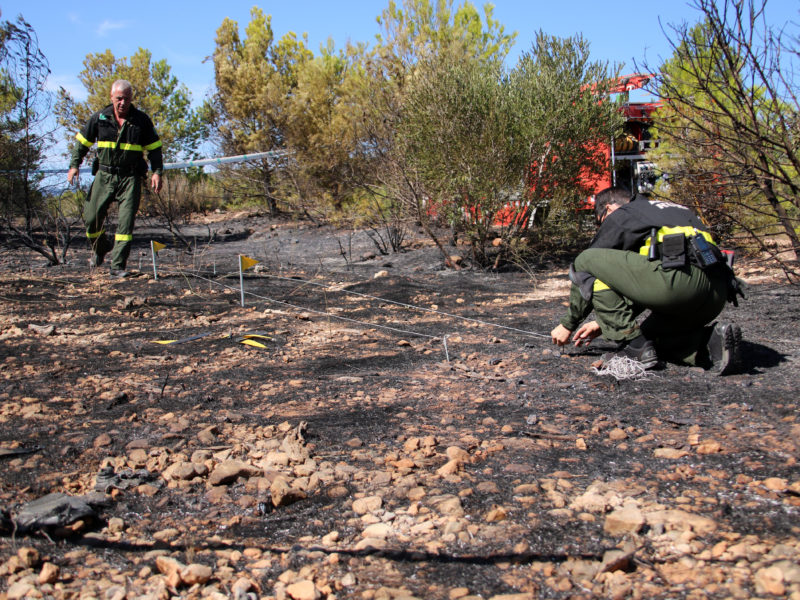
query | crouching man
(655,255)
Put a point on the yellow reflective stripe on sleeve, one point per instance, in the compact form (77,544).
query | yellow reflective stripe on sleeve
(92,236)
(599,286)
(684,229)
(121,237)
(83,140)
(153,146)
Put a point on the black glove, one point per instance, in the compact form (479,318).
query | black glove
(736,287)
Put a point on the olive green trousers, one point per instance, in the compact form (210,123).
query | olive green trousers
(681,302)
(106,189)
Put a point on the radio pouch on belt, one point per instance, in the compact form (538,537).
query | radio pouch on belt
(673,251)
(95,166)
(704,253)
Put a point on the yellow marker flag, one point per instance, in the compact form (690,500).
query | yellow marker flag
(158,246)
(254,343)
(247,262)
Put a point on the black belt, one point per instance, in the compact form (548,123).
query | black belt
(121,171)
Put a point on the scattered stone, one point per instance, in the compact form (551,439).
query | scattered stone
(498,513)
(366,505)
(101,441)
(116,525)
(218,495)
(671,453)
(303,590)
(283,494)
(709,447)
(457,453)
(28,557)
(448,505)
(208,436)
(377,530)
(617,434)
(769,580)
(19,590)
(449,468)
(622,521)
(169,567)
(230,470)
(616,560)
(166,535)
(698,523)
(195,573)
(776,484)
(49,573)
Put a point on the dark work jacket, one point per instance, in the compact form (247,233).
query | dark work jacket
(628,227)
(119,146)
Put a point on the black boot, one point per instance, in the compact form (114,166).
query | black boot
(639,349)
(724,346)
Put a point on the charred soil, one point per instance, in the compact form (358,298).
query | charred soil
(344,435)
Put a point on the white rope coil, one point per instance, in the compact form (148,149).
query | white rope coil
(623,367)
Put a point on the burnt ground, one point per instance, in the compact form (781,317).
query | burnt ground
(407,435)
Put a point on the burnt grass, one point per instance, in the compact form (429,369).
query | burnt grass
(368,364)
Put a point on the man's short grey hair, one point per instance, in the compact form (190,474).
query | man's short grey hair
(122,85)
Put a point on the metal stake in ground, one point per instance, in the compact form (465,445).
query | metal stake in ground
(154,248)
(245,262)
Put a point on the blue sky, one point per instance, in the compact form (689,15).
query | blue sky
(183,32)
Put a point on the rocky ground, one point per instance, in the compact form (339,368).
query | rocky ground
(342,435)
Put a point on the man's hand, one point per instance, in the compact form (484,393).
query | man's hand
(560,335)
(155,182)
(72,174)
(586,333)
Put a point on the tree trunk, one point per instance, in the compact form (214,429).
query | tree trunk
(272,205)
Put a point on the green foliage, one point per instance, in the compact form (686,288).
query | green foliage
(428,27)
(459,134)
(426,125)
(478,138)
(255,80)
(561,99)
(319,132)
(418,41)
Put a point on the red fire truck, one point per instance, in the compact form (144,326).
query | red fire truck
(629,166)
(626,155)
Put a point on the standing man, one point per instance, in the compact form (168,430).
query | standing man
(652,255)
(123,133)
